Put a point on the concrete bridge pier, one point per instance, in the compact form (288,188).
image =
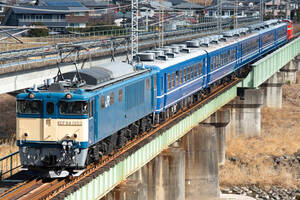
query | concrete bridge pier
(129,189)
(162,178)
(297,62)
(220,120)
(289,72)
(165,175)
(245,114)
(201,172)
(272,90)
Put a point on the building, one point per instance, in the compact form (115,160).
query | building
(228,10)
(56,15)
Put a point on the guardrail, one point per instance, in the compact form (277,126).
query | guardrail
(9,165)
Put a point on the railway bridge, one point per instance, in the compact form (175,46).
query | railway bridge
(180,158)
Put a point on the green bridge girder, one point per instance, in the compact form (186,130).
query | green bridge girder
(262,70)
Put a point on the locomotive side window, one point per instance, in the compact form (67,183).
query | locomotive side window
(73,108)
(148,84)
(29,107)
(102,102)
(91,107)
(50,108)
(120,95)
(111,98)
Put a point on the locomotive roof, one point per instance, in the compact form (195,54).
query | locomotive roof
(195,52)
(102,73)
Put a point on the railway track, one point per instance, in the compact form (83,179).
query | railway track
(58,188)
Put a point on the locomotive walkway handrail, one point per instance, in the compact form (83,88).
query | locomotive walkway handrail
(9,164)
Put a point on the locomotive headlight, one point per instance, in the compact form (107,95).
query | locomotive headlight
(31,95)
(68,96)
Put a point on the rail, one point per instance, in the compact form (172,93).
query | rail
(9,164)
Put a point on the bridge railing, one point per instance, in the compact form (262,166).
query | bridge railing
(9,165)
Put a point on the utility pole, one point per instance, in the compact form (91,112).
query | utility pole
(287,9)
(235,14)
(134,28)
(161,25)
(261,10)
(219,16)
(273,9)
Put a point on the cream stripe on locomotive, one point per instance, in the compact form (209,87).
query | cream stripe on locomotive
(38,129)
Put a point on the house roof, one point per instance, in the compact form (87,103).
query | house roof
(176,2)
(40,10)
(93,3)
(188,5)
(70,4)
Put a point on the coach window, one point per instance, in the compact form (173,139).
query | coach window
(111,98)
(169,81)
(120,95)
(155,83)
(192,71)
(180,76)
(184,75)
(201,67)
(161,83)
(177,78)
(91,106)
(188,73)
(50,108)
(173,79)
(102,102)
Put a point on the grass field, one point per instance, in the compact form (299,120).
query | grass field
(251,161)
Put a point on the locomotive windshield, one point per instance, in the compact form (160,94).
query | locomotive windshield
(73,108)
(29,107)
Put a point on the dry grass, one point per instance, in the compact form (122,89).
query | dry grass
(7,118)
(280,136)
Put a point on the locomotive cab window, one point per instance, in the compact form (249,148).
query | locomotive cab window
(73,108)
(29,107)
(50,108)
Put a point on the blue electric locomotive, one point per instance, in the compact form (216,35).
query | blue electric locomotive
(91,112)
(58,125)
